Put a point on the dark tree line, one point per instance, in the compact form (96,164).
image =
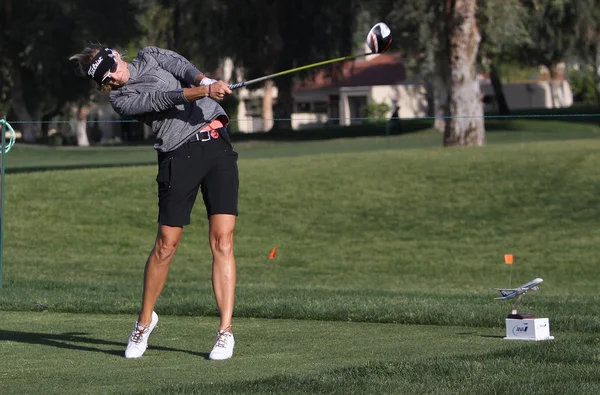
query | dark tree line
(445,43)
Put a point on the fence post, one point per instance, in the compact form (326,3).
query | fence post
(2,163)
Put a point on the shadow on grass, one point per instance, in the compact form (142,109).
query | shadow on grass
(36,169)
(80,342)
(474,333)
(367,129)
(321,132)
(542,118)
(493,336)
(537,126)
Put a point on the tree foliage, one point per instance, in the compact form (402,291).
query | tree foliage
(267,36)
(586,48)
(551,26)
(260,36)
(36,39)
(431,36)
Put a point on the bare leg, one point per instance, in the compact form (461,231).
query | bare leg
(157,268)
(221,228)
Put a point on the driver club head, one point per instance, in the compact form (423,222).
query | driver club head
(379,38)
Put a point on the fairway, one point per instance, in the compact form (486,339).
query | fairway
(274,355)
(386,253)
(90,349)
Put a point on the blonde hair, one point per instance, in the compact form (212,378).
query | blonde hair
(83,60)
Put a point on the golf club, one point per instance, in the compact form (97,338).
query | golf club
(378,40)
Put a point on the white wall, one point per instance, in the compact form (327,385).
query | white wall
(246,122)
(412,99)
(346,114)
(306,120)
(314,96)
(532,95)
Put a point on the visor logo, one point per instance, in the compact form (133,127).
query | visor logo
(94,66)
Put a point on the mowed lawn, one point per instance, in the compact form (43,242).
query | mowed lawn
(381,282)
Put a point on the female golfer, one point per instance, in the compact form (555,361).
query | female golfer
(164,90)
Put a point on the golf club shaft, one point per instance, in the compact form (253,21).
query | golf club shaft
(266,77)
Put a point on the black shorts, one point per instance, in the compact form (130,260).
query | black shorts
(210,166)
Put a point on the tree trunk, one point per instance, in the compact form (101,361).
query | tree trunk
(82,116)
(441,77)
(46,118)
(498,90)
(440,91)
(267,105)
(598,68)
(29,128)
(555,88)
(466,127)
(106,128)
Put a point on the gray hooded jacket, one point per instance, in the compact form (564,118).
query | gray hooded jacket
(154,95)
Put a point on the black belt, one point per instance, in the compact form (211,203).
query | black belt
(201,136)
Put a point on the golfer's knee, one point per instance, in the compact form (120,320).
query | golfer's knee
(164,250)
(222,243)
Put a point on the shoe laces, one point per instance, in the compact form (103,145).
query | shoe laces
(223,336)
(138,333)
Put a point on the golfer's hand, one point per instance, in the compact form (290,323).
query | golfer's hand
(219,90)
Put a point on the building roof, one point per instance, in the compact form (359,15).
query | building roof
(384,69)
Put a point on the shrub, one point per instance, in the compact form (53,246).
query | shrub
(376,111)
(583,85)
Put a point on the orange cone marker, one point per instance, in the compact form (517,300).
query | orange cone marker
(272,254)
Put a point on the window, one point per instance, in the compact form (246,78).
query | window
(320,107)
(302,107)
(253,107)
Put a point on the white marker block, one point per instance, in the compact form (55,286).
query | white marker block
(528,329)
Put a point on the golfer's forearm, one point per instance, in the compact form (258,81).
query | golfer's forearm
(195,93)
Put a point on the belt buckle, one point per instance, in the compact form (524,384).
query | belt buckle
(203,132)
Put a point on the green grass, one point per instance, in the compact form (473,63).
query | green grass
(374,243)
(283,356)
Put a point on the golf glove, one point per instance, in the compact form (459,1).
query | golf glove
(207,81)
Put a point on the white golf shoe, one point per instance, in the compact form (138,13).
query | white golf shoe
(223,348)
(138,341)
